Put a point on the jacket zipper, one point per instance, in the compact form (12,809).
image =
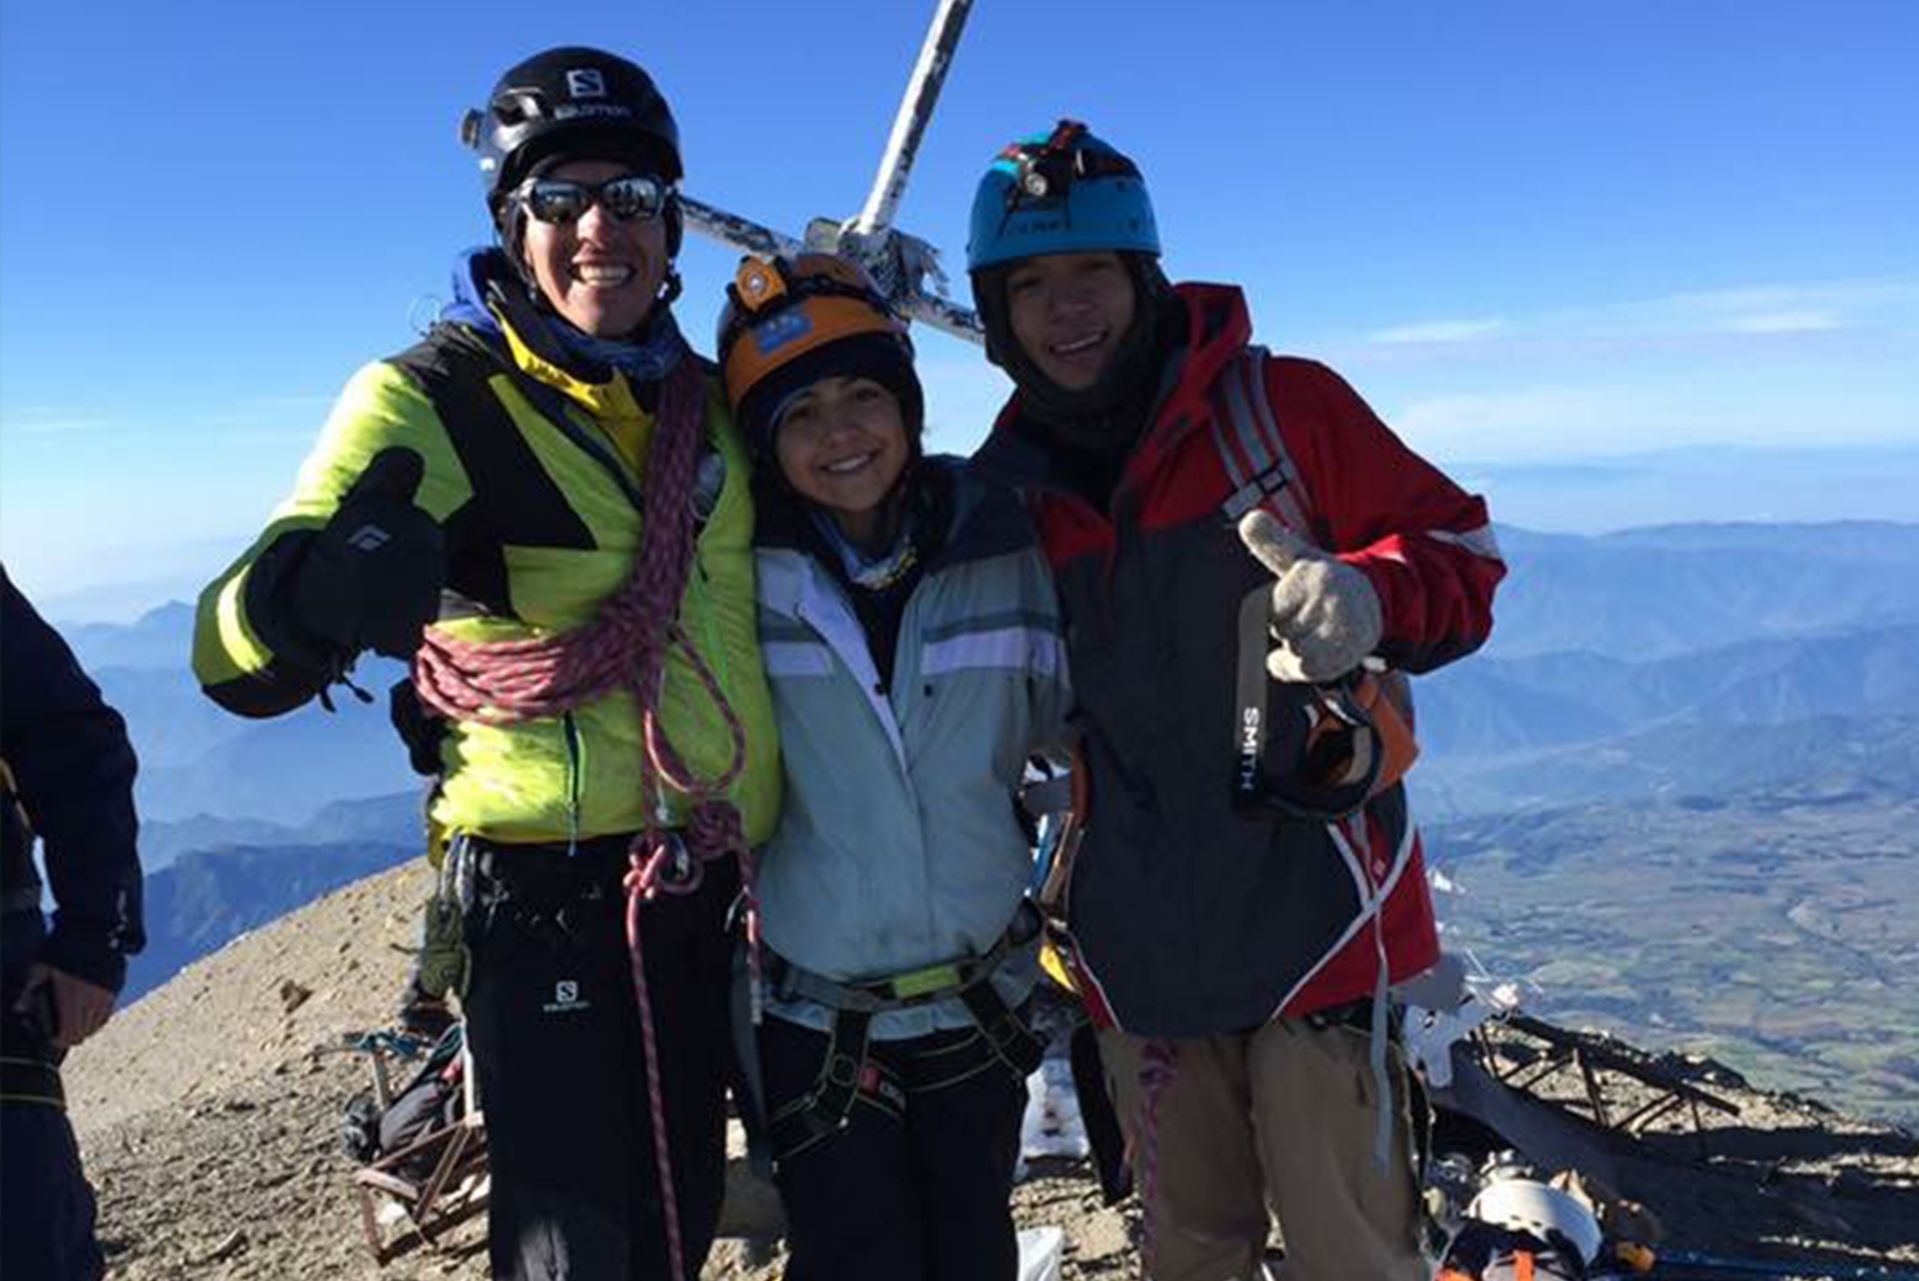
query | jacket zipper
(575,772)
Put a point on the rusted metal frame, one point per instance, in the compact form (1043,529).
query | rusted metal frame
(464,1151)
(1603,1056)
(1651,1112)
(1595,1093)
(1554,1061)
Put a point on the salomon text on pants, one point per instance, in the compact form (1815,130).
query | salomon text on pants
(562,1069)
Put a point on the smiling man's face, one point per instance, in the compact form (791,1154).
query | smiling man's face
(599,272)
(1069,313)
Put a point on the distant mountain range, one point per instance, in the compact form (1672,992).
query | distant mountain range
(243,821)
(196,759)
(1655,593)
(199,899)
(1645,694)
(382,820)
(1488,704)
(1830,755)
(160,638)
(1680,660)
(208,898)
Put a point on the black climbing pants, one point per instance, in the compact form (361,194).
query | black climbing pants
(917,1186)
(561,1068)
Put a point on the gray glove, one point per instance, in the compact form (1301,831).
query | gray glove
(1326,615)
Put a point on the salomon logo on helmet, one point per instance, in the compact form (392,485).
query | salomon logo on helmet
(586,82)
(577,102)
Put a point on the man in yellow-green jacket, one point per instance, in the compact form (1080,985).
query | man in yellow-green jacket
(549,485)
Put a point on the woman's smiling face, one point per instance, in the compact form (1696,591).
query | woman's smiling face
(841,443)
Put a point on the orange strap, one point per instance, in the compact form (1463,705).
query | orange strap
(1397,747)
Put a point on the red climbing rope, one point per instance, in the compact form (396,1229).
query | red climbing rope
(625,647)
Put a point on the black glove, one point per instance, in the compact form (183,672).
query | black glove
(371,578)
(419,727)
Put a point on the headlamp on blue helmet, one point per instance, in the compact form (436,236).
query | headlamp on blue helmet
(1063,192)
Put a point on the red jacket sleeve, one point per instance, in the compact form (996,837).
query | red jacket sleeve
(1425,544)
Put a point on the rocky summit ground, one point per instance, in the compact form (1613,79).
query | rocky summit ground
(208,1113)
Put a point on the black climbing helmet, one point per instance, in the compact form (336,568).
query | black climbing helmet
(570,101)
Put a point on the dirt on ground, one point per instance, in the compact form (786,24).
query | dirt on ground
(209,1117)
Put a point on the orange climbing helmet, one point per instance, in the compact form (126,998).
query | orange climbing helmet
(789,322)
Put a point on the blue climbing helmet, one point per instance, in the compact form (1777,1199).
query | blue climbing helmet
(1066,192)
(1059,193)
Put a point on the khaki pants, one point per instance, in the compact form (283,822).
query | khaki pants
(1278,1121)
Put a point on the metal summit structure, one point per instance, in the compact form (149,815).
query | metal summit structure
(901,265)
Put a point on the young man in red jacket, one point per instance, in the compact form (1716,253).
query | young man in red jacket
(1245,555)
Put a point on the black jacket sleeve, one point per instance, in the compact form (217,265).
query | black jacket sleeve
(73,770)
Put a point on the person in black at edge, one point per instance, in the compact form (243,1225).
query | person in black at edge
(68,778)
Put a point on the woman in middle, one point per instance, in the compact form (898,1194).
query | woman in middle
(913,645)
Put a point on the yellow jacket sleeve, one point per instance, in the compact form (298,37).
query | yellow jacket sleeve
(242,630)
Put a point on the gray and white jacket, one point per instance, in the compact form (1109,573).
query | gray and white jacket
(898,846)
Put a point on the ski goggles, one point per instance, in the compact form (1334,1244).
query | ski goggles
(561,201)
(1314,752)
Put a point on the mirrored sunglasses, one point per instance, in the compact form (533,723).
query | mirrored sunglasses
(562,200)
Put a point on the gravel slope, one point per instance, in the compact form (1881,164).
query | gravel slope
(208,1113)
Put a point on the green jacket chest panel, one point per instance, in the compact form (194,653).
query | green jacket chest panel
(515,499)
(554,519)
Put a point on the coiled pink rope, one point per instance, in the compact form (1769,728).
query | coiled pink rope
(625,647)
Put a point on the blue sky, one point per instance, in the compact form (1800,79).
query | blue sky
(1532,235)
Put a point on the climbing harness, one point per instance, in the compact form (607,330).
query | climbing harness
(847,1072)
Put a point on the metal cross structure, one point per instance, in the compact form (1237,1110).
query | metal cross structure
(901,265)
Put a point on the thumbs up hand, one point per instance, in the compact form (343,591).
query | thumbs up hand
(371,578)
(1326,615)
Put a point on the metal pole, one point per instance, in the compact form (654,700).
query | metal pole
(948,317)
(899,264)
(741,233)
(916,109)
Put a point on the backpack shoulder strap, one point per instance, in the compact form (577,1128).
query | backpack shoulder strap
(1254,454)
